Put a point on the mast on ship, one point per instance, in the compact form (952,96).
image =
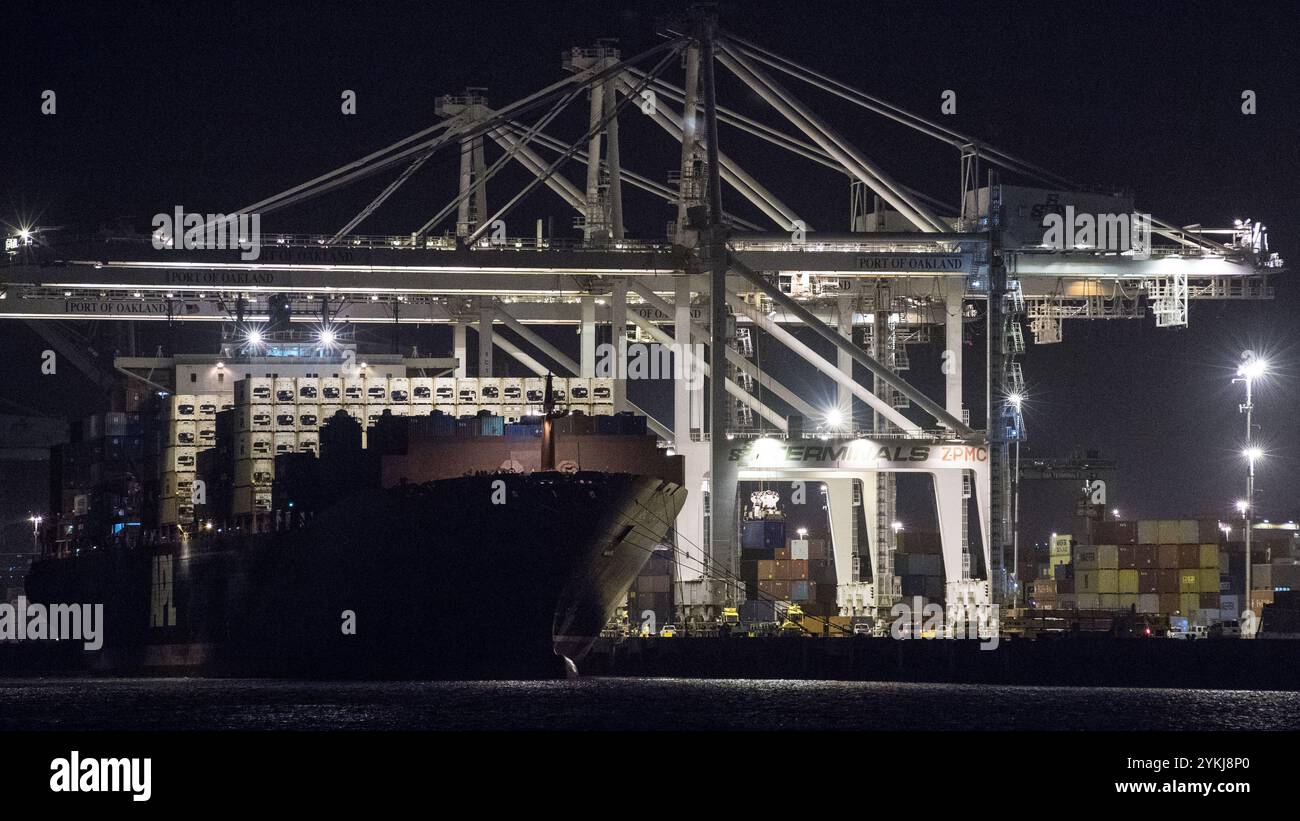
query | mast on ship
(548,427)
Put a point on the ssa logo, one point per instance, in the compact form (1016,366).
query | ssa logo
(129,775)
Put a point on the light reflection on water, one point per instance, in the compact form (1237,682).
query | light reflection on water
(619,704)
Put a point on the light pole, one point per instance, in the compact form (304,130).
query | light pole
(36,533)
(1016,401)
(1250,369)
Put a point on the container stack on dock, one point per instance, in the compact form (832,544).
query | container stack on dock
(919,565)
(651,593)
(1158,567)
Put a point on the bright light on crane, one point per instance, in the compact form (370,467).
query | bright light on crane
(834,418)
(1242,506)
(253,338)
(1253,453)
(1252,367)
(327,337)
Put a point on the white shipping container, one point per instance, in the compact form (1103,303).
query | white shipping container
(182,433)
(254,472)
(286,418)
(444,390)
(798,548)
(331,390)
(1148,603)
(256,390)
(399,390)
(422,390)
(467,410)
(534,391)
(251,500)
(209,404)
(309,417)
(308,389)
(376,390)
(178,484)
(354,391)
(467,391)
(1189,532)
(253,445)
(512,413)
(308,442)
(285,442)
(182,406)
(175,511)
(1230,607)
(250,418)
(602,410)
(327,413)
(512,390)
(602,391)
(286,390)
(489,390)
(584,408)
(579,390)
(179,459)
(207,431)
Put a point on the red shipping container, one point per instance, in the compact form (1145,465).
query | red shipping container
(1189,555)
(1127,557)
(1168,580)
(1209,601)
(1168,556)
(1148,555)
(778,589)
(782,554)
(1148,580)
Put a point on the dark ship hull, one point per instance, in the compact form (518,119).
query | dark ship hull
(490,576)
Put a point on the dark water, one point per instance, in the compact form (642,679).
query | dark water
(623,704)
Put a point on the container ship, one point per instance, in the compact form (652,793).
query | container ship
(425,544)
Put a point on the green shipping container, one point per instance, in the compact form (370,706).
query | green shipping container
(1108,581)
(1210,556)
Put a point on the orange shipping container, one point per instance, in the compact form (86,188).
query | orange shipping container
(1168,603)
(794,570)
(1189,555)
(778,589)
(1148,555)
(1148,581)
(1168,556)
(766,569)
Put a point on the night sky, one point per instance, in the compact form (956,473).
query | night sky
(213,107)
